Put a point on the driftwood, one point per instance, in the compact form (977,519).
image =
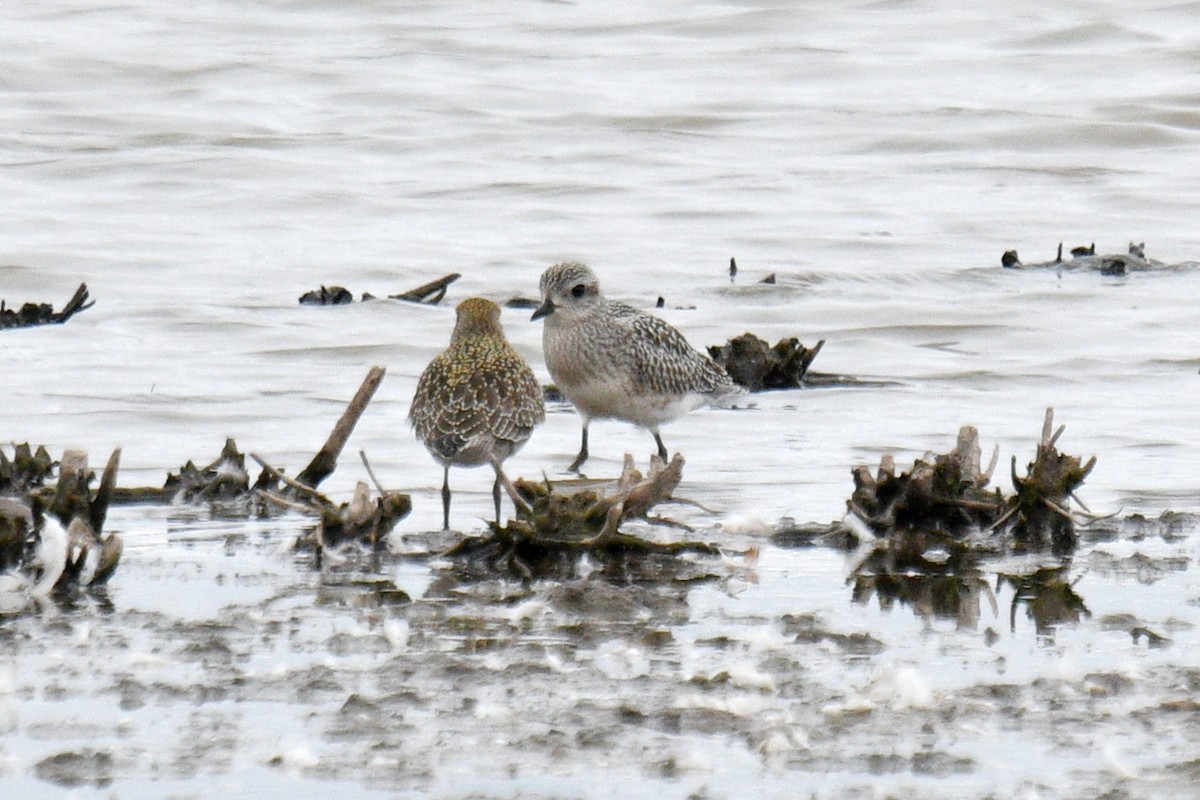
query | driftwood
(224,484)
(43,313)
(430,293)
(941,510)
(560,528)
(364,518)
(325,461)
(754,364)
(224,480)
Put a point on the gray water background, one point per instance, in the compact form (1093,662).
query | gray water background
(201,166)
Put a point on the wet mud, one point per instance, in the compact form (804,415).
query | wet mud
(390,674)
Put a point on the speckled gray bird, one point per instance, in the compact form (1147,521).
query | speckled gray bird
(477,402)
(614,361)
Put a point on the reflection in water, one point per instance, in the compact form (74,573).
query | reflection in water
(1048,598)
(947,596)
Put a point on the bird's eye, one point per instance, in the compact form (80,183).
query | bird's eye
(578,290)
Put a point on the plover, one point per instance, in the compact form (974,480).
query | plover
(612,360)
(478,401)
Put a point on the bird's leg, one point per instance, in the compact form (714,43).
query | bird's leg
(662,448)
(446,500)
(496,497)
(502,480)
(583,451)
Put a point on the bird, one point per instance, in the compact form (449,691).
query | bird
(613,361)
(477,402)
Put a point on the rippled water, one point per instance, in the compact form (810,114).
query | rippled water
(200,167)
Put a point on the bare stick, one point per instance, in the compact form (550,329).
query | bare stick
(1055,507)
(611,520)
(78,302)
(303,488)
(1007,516)
(325,461)
(1047,425)
(283,502)
(684,501)
(518,501)
(1057,434)
(378,487)
(422,293)
(987,474)
(108,482)
(71,497)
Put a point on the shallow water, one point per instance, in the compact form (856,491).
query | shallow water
(201,168)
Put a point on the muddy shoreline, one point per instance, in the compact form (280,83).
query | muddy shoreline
(222,654)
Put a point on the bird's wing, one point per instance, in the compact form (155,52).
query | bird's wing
(665,362)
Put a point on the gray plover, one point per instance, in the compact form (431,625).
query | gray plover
(478,401)
(614,361)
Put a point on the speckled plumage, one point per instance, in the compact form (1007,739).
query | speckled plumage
(612,360)
(477,402)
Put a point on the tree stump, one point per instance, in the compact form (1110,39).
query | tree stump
(752,363)
(943,501)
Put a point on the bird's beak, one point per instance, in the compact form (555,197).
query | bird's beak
(544,310)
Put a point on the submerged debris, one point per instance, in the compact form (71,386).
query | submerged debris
(562,528)
(769,280)
(364,519)
(754,364)
(225,480)
(31,314)
(941,509)
(224,485)
(1134,260)
(429,293)
(327,296)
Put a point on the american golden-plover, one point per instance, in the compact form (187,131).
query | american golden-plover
(614,361)
(478,401)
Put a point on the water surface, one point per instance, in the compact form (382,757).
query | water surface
(202,167)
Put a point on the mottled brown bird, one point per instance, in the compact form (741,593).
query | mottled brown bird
(478,401)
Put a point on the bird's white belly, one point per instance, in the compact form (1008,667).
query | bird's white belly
(601,399)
